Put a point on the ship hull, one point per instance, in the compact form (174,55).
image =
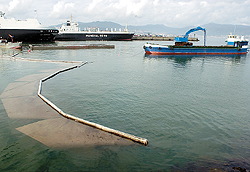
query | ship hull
(194,50)
(94,36)
(29,35)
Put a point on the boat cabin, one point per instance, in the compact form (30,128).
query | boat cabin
(236,41)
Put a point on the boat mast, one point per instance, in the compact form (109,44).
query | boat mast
(205,35)
(234,29)
(35,14)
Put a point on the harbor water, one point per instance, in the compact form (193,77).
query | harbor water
(194,110)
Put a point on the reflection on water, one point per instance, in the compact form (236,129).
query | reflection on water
(194,110)
(231,56)
(183,60)
(6,52)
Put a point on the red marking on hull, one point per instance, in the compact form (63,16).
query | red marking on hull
(17,47)
(162,53)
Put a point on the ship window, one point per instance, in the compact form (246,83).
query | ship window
(68,23)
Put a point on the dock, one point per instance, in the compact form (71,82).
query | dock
(65,47)
(159,38)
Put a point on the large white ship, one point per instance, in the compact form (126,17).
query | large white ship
(71,32)
(29,30)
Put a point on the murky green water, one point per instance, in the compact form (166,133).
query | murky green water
(194,110)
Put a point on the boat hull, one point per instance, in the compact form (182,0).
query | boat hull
(29,35)
(194,50)
(94,36)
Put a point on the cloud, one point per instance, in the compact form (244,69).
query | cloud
(19,9)
(13,4)
(194,12)
(92,6)
(62,9)
(17,6)
(129,7)
(117,10)
(175,13)
(113,9)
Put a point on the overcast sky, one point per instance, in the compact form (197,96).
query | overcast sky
(173,13)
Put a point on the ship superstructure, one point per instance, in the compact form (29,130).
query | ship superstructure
(72,32)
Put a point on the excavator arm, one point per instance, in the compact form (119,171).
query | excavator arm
(194,30)
(185,37)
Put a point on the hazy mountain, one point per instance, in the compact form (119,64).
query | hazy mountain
(225,29)
(157,29)
(212,29)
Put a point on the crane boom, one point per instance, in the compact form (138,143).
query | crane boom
(193,30)
(185,37)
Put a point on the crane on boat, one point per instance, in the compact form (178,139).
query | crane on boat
(184,39)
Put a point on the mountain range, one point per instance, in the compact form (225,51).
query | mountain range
(212,29)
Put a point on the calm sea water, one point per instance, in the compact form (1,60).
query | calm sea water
(194,110)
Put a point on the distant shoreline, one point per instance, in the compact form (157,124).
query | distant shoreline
(160,38)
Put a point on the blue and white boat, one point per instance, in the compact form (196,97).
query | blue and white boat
(235,45)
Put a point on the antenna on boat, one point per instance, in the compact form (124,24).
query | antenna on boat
(126,28)
(205,35)
(234,29)
(35,11)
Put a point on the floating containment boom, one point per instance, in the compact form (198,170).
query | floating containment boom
(98,126)
(66,47)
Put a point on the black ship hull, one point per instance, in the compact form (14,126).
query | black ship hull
(29,35)
(94,36)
